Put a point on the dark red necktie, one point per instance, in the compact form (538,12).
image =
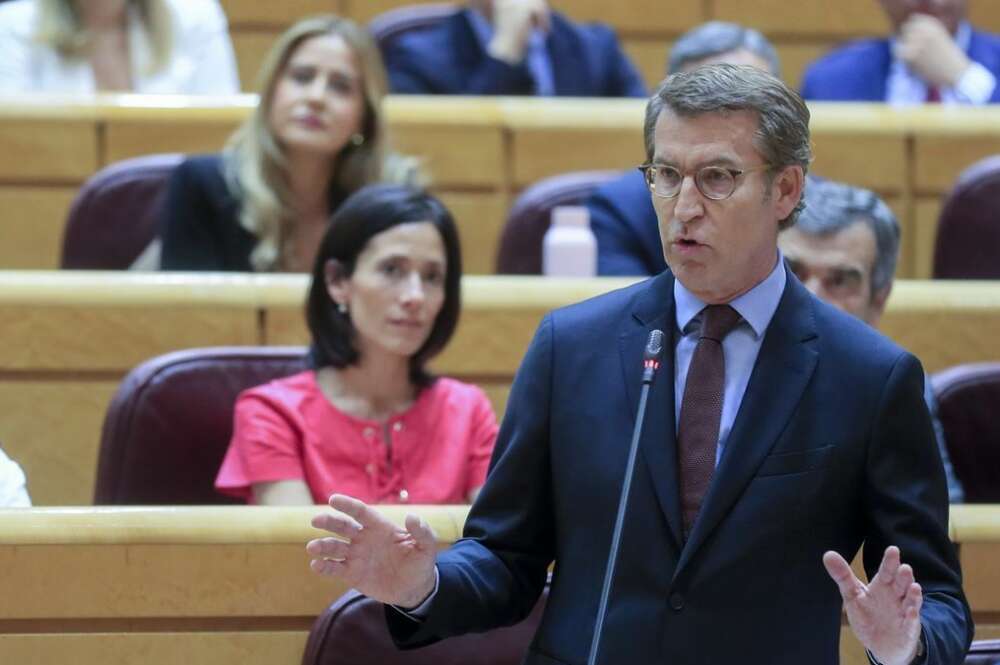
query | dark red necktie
(933,94)
(701,410)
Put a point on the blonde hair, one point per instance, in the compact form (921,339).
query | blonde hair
(255,163)
(59,25)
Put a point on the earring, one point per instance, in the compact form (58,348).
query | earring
(342,308)
(357,139)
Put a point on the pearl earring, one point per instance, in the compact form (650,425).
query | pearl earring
(342,307)
(357,139)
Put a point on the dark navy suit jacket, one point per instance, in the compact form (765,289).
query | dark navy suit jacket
(859,71)
(449,60)
(832,447)
(624,223)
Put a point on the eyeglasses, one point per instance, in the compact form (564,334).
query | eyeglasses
(714,182)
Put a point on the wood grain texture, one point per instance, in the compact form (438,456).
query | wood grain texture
(32,225)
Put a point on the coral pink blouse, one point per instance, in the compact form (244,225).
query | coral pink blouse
(437,451)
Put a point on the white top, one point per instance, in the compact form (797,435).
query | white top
(13,493)
(203,61)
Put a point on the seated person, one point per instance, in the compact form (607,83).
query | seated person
(13,490)
(844,248)
(148,46)
(370,420)
(621,212)
(512,47)
(933,55)
(316,135)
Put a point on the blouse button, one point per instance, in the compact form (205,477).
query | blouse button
(398,426)
(370,469)
(404,496)
(369,432)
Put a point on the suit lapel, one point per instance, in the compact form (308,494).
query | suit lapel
(654,309)
(784,366)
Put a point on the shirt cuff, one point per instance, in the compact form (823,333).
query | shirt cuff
(976,85)
(919,659)
(420,612)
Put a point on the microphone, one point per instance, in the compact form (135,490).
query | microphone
(650,363)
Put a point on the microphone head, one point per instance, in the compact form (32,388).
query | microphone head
(654,345)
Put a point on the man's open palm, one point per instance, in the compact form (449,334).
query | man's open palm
(381,560)
(884,614)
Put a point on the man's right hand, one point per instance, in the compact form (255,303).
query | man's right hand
(513,22)
(379,559)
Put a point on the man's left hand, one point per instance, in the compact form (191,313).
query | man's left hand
(925,44)
(884,614)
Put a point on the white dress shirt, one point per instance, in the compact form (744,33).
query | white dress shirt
(202,61)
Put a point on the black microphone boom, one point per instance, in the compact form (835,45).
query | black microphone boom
(650,363)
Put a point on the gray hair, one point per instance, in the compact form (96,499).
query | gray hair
(832,206)
(718,37)
(782,136)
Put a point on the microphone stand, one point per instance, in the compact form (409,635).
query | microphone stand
(650,363)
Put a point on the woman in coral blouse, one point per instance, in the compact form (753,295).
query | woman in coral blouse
(369,420)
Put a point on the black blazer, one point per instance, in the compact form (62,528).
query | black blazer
(200,228)
(832,447)
(447,59)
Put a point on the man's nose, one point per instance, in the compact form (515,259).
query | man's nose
(689,204)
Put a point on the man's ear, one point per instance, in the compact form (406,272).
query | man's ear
(877,306)
(336,280)
(787,189)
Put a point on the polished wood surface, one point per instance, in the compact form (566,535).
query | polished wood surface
(67,339)
(230,585)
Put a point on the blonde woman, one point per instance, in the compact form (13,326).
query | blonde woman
(315,137)
(86,46)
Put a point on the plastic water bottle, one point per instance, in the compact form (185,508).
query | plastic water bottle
(569,248)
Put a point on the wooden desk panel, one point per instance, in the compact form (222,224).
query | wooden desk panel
(480,217)
(52,427)
(127,138)
(32,225)
(277,15)
(97,321)
(927,209)
(47,150)
(940,158)
(251,47)
(235,647)
(945,323)
(775,18)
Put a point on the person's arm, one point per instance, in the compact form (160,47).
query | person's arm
(918,603)
(264,459)
(618,247)
(282,493)
(190,223)
(209,45)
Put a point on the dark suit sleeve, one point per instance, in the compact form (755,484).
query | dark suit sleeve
(618,247)
(190,223)
(414,70)
(907,506)
(623,79)
(495,574)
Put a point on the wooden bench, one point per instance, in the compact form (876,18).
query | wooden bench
(231,585)
(67,339)
(479,152)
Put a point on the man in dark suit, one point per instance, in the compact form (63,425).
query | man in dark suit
(934,55)
(781,435)
(511,47)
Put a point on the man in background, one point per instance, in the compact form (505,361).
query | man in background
(933,55)
(511,47)
(844,248)
(621,214)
